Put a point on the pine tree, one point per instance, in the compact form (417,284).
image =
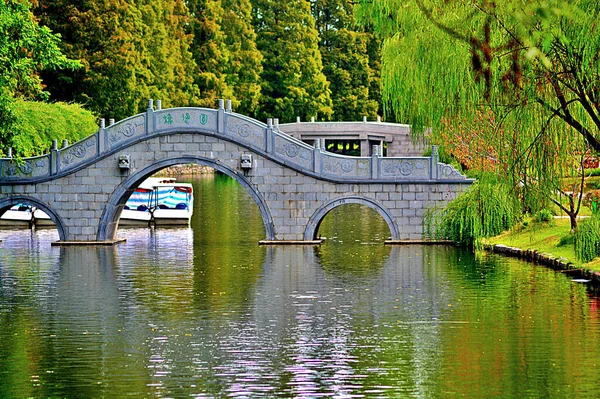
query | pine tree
(209,51)
(293,83)
(242,72)
(132,50)
(347,50)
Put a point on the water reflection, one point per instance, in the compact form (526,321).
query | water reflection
(205,312)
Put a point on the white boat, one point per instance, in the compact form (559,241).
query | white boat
(41,219)
(137,212)
(19,215)
(159,201)
(25,216)
(173,203)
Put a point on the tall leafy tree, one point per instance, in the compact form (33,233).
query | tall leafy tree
(244,67)
(347,49)
(131,49)
(106,36)
(209,50)
(25,49)
(169,65)
(293,83)
(533,64)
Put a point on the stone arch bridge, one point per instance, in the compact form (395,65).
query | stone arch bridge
(83,187)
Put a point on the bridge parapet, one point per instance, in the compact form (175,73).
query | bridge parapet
(37,167)
(263,139)
(182,119)
(246,130)
(123,132)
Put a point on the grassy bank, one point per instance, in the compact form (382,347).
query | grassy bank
(552,237)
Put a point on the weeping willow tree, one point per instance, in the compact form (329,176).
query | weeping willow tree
(533,65)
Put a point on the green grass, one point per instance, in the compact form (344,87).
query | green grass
(543,237)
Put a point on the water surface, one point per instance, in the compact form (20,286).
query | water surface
(205,312)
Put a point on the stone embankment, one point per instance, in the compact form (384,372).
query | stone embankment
(187,169)
(542,258)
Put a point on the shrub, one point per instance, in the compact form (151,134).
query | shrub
(591,198)
(569,239)
(593,172)
(592,184)
(39,123)
(543,216)
(587,239)
(485,210)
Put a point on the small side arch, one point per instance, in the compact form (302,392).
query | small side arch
(315,220)
(107,228)
(17,199)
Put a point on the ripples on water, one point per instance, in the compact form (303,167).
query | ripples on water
(205,312)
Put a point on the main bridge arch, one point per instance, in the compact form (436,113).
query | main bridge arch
(85,185)
(110,216)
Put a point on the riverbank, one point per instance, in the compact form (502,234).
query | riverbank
(185,169)
(549,244)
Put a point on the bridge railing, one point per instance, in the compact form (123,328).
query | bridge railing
(264,139)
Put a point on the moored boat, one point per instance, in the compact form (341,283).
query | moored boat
(174,204)
(41,219)
(25,216)
(159,201)
(18,216)
(137,212)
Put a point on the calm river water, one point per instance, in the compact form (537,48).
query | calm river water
(205,312)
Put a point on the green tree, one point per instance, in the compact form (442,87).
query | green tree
(293,83)
(242,72)
(132,50)
(209,50)
(25,49)
(533,64)
(104,35)
(346,49)
(168,62)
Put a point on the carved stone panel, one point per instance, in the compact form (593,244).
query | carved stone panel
(78,153)
(28,168)
(294,152)
(186,118)
(346,166)
(405,168)
(245,131)
(449,172)
(125,130)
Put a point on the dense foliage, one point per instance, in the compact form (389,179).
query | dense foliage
(25,50)
(264,55)
(587,239)
(131,50)
(272,59)
(293,83)
(485,210)
(39,123)
(350,60)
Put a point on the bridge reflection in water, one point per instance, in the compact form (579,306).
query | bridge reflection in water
(206,312)
(160,316)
